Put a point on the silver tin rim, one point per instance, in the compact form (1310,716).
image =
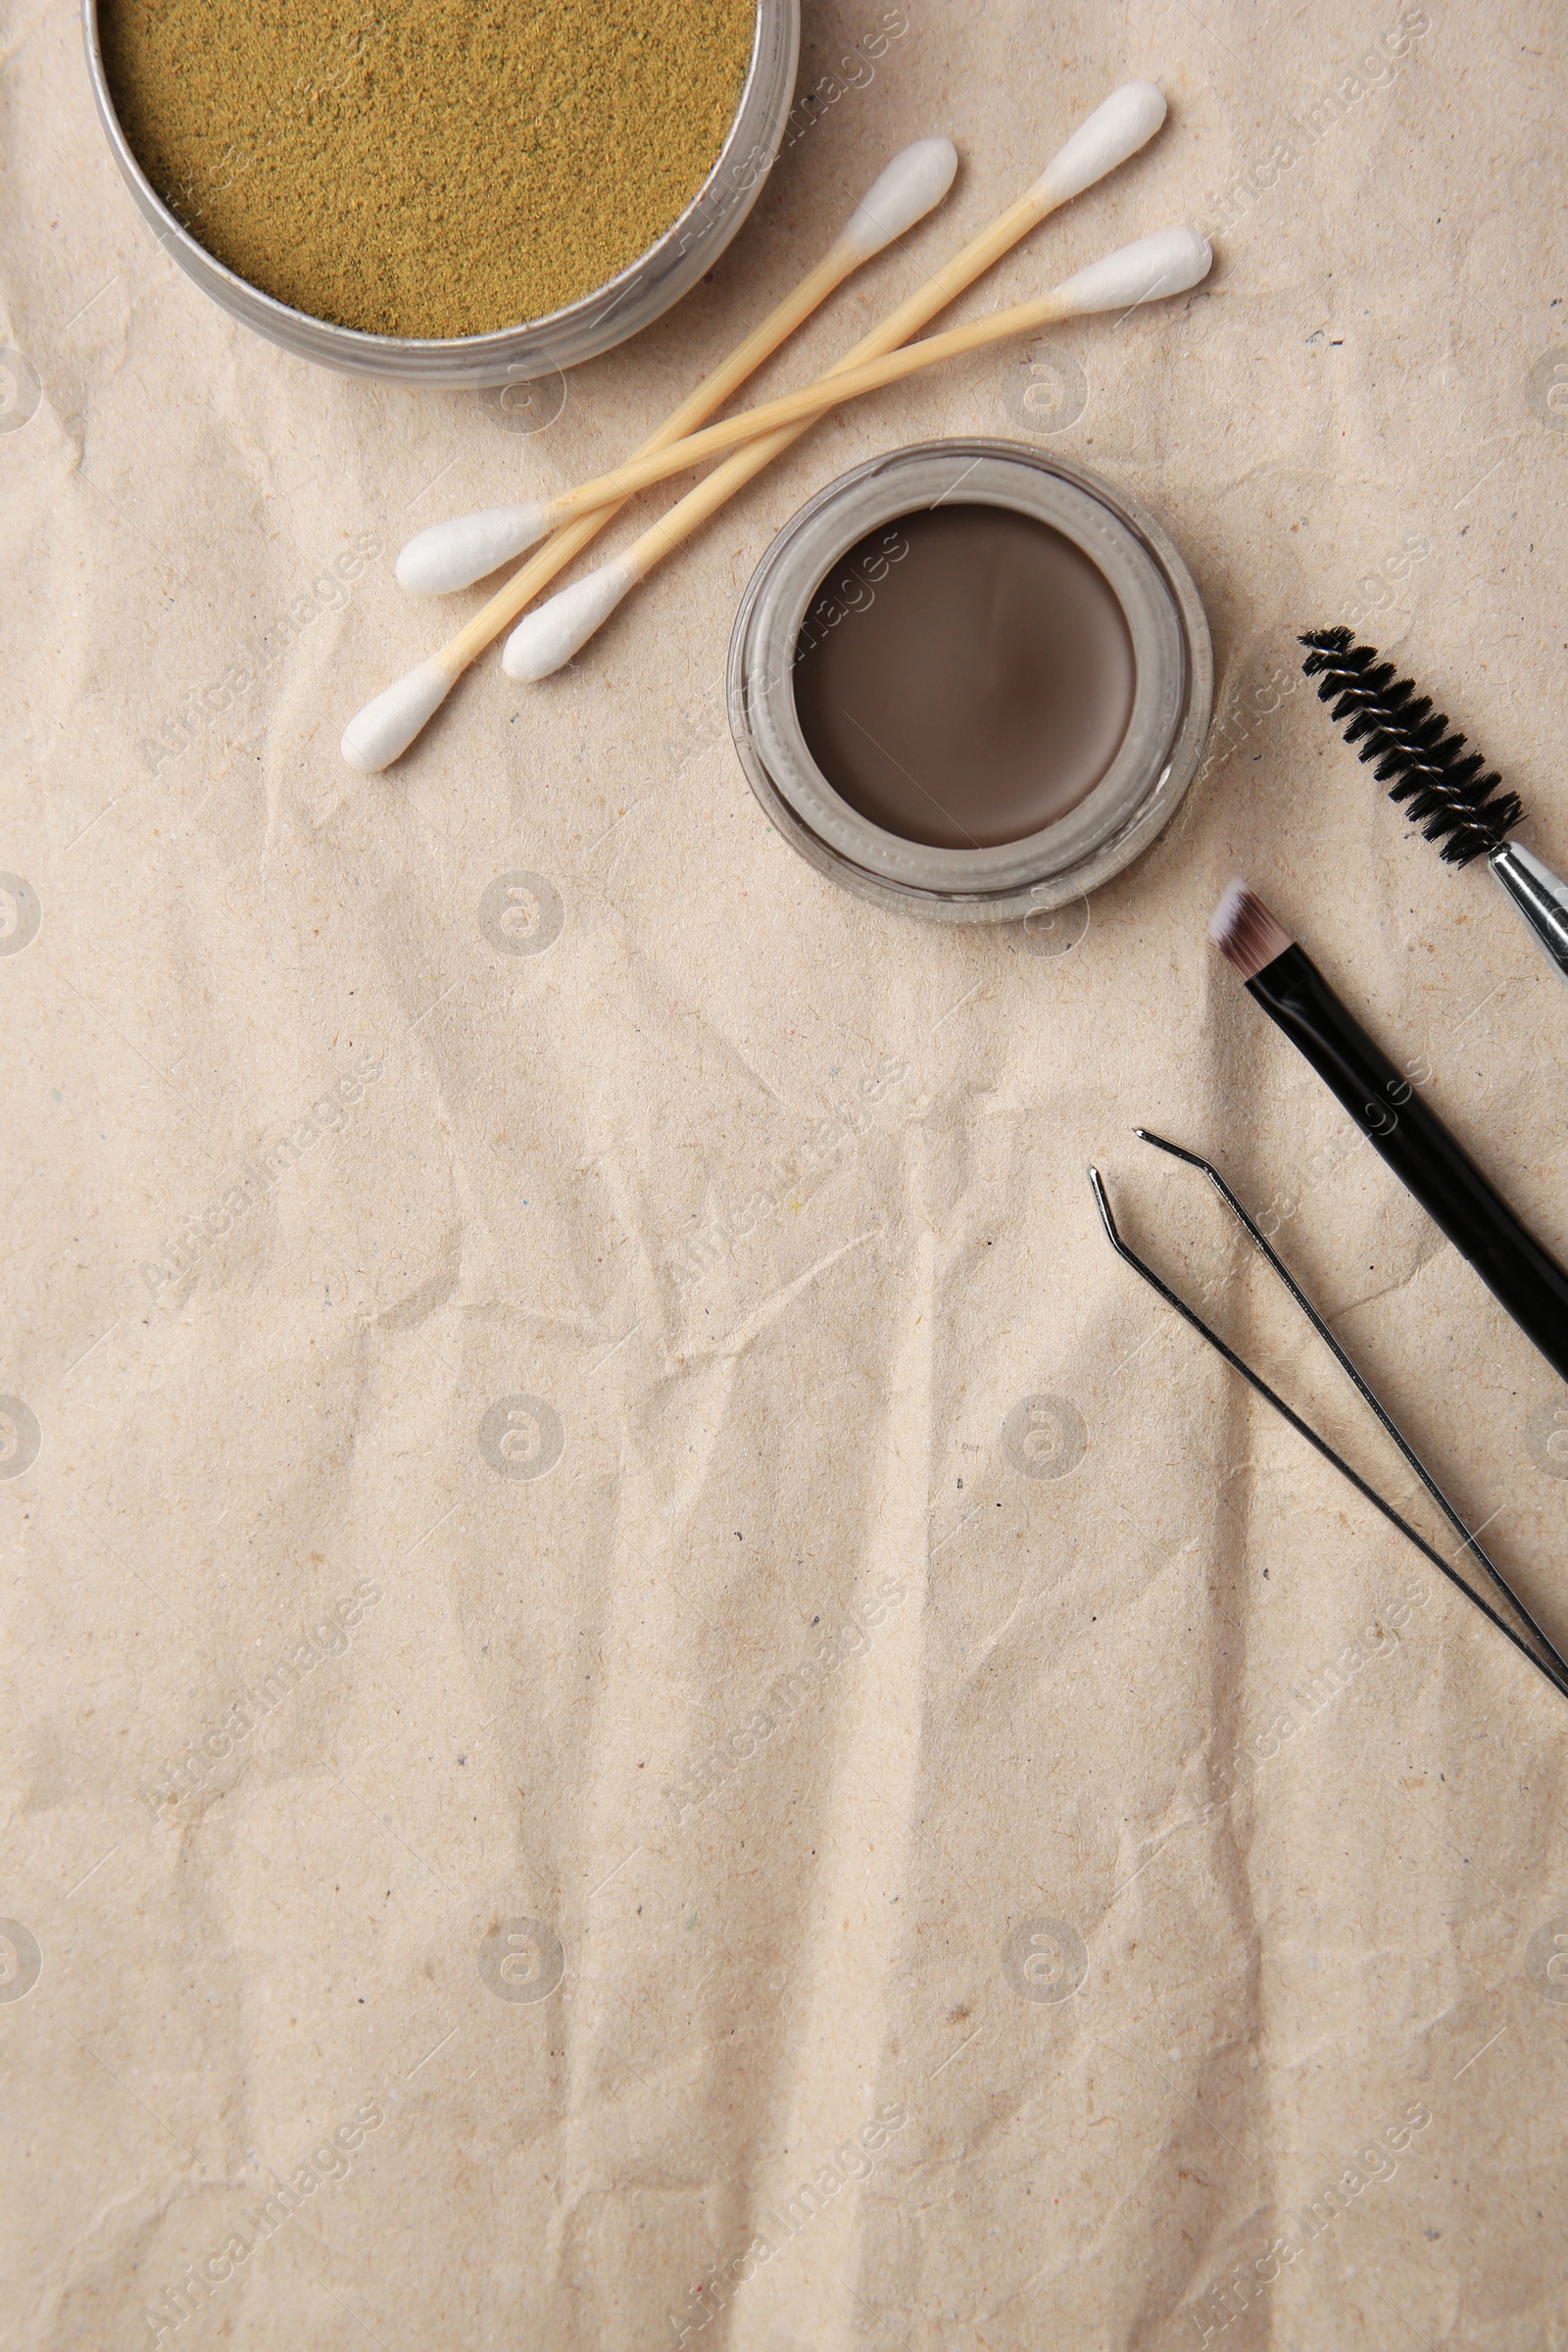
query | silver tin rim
(1132,802)
(642,293)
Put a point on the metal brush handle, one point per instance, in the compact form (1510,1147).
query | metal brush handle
(1540,898)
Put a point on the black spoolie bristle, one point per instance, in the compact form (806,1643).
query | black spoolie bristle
(1447,796)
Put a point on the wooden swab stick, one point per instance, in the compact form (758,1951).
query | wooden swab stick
(455,554)
(1126,121)
(1167,263)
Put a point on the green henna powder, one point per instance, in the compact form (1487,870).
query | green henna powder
(426,168)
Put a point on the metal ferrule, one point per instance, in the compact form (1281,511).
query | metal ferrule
(1540,898)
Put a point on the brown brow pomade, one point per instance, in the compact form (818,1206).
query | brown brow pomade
(970,690)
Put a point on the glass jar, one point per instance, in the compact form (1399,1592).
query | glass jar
(1117,818)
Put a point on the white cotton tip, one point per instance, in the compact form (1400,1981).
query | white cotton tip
(1128,121)
(912,186)
(546,638)
(456,554)
(386,727)
(1166,263)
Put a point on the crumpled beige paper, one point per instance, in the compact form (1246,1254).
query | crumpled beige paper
(649,1701)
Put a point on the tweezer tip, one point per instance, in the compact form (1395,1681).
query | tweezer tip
(1103,1207)
(1161,1142)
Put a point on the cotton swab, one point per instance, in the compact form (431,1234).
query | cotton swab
(1117,129)
(454,554)
(1169,261)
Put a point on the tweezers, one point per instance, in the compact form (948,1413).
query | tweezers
(1557,1672)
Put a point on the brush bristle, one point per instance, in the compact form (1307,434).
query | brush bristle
(1448,797)
(1245,932)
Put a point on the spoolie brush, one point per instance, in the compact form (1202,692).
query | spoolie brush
(1455,800)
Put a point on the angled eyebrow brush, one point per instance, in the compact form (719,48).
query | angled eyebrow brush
(1429,1162)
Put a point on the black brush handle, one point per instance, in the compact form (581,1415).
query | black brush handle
(1427,1160)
